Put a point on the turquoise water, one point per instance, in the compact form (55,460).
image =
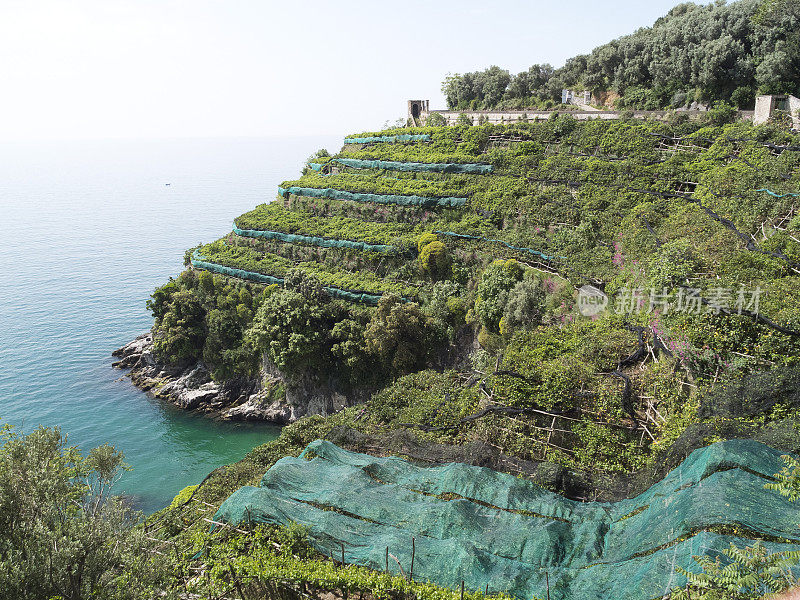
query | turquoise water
(89,229)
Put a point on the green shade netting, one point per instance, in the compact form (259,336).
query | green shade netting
(200,263)
(405,137)
(490,528)
(776,195)
(292,238)
(351,296)
(447,202)
(391,165)
(506,244)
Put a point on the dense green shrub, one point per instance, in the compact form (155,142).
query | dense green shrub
(435,120)
(494,287)
(289,328)
(181,329)
(63,534)
(435,260)
(398,334)
(673,264)
(745,45)
(465,119)
(523,308)
(203,316)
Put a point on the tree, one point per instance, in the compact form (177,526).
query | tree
(530,83)
(434,260)
(674,262)
(62,534)
(749,574)
(496,282)
(397,335)
(435,119)
(721,114)
(481,88)
(787,480)
(714,50)
(524,306)
(180,333)
(490,85)
(450,89)
(321,153)
(291,330)
(348,347)
(464,119)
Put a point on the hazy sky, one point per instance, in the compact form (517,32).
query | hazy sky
(173,68)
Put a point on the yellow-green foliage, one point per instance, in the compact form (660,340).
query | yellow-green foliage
(425,239)
(182,496)
(787,481)
(253,557)
(605,203)
(435,260)
(750,573)
(426,398)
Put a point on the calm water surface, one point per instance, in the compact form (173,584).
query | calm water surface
(89,230)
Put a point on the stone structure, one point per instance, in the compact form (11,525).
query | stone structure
(767,105)
(571,97)
(419,111)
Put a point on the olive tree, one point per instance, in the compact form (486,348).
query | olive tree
(62,534)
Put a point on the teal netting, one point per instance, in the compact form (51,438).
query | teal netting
(506,244)
(490,528)
(392,165)
(446,202)
(771,193)
(351,296)
(200,263)
(292,238)
(405,137)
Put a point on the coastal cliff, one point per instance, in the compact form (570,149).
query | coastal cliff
(496,281)
(189,386)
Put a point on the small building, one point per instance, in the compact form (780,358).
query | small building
(418,109)
(572,97)
(767,105)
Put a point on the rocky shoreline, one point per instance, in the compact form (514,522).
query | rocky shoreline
(266,398)
(190,387)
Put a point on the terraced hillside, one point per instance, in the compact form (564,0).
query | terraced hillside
(579,304)
(472,242)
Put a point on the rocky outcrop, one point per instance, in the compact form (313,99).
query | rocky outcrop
(187,386)
(265,398)
(267,404)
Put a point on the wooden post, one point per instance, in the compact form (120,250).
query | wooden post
(342,543)
(547,579)
(486,593)
(387,559)
(462,589)
(413,551)
(178,559)
(236,582)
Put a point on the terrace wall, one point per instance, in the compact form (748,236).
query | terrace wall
(513,116)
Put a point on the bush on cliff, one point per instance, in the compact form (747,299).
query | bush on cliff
(62,535)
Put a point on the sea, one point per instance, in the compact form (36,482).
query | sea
(91,228)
